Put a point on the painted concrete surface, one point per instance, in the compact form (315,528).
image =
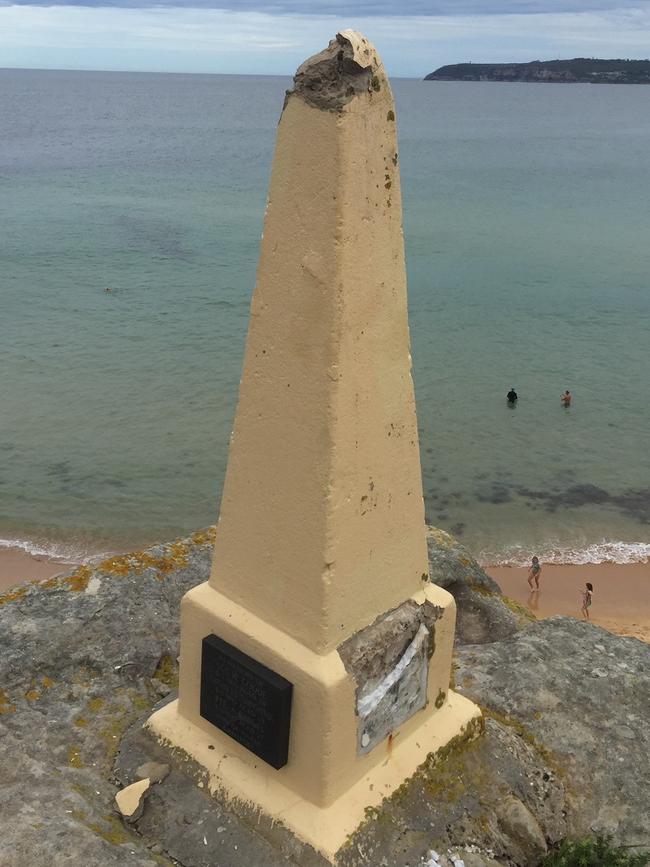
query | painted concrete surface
(324,459)
(324,463)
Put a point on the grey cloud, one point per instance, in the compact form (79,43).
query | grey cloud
(363,8)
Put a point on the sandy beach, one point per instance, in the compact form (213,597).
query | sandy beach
(621,601)
(19,567)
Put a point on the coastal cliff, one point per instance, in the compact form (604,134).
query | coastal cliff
(579,70)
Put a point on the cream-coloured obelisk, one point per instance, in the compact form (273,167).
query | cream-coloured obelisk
(320,568)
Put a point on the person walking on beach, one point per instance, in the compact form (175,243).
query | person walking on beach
(566,398)
(533,574)
(587,593)
(512,396)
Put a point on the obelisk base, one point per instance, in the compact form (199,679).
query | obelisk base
(330,778)
(265,802)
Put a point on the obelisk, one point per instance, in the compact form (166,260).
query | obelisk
(315,662)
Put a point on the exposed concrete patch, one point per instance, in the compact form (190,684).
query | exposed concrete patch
(370,654)
(330,79)
(389,662)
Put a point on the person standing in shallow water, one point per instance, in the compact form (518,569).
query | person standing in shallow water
(566,398)
(533,574)
(587,593)
(512,396)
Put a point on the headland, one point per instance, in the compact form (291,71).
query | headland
(579,70)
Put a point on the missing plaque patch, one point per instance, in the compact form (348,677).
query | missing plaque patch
(246,700)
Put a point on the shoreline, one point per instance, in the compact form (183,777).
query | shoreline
(621,601)
(18,566)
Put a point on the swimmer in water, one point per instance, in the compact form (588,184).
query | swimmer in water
(512,396)
(566,398)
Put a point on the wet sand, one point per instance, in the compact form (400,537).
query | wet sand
(621,601)
(19,567)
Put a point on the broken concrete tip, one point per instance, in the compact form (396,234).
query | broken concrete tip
(348,67)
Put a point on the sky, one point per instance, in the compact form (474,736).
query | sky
(413,37)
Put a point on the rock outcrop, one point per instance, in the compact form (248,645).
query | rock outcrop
(581,695)
(484,614)
(84,658)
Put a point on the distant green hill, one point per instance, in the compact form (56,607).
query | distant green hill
(580,69)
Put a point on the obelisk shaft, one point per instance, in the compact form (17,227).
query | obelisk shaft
(322,526)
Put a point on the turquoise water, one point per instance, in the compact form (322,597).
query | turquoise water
(526,212)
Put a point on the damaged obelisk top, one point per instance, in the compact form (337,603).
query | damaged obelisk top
(315,662)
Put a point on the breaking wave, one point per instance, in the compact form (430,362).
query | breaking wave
(605,551)
(68,553)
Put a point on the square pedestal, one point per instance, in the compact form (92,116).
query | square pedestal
(321,793)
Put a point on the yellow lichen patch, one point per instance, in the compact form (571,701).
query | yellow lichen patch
(140,702)
(441,774)
(442,539)
(32,695)
(12,595)
(115,833)
(85,674)
(525,614)
(81,722)
(205,537)
(50,583)
(117,716)
(111,734)
(74,757)
(5,705)
(167,671)
(96,704)
(119,565)
(481,589)
(47,682)
(79,579)
(175,556)
(526,736)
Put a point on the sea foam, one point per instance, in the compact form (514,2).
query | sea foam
(605,551)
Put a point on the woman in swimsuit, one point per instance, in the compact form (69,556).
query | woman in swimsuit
(586,599)
(533,574)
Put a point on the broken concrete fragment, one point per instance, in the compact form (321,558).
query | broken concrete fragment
(130,801)
(154,771)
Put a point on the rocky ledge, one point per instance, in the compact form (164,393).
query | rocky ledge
(84,657)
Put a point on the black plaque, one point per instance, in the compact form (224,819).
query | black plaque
(246,700)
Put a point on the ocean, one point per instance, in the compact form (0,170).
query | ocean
(526,217)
